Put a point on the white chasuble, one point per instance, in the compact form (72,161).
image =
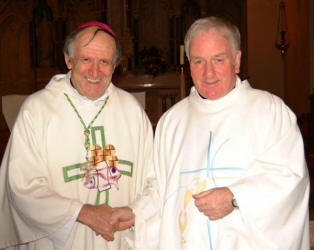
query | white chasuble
(47,174)
(247,141)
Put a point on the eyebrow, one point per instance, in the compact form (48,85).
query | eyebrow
(220,54)
(216,55)
(196,57)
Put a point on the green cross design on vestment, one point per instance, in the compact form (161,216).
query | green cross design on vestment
(128,171)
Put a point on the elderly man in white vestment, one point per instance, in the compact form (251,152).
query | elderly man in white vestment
(229,160)
(78,147)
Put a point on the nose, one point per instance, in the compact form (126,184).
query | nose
(94,70)
(209,70)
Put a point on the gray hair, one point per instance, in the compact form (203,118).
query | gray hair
(229,31)
(70,39)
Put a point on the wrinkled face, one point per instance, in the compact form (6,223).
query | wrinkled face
(92,65)
(213,65)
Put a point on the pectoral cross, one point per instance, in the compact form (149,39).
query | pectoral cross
(87,169)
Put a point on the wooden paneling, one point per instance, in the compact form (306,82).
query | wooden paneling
(162,91)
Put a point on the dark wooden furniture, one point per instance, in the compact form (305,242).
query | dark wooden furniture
(162,91)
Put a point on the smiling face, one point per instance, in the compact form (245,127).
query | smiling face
(92,64)
(213,64)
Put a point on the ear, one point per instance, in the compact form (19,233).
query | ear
(68,61)
(237,62)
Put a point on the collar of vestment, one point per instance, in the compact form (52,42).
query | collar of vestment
(207,105)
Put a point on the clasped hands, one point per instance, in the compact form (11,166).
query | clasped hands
(105,220)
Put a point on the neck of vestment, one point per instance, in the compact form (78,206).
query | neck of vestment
(206,105)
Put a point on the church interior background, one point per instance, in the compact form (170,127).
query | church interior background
(32,33)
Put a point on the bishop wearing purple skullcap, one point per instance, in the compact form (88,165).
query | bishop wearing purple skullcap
(79,147)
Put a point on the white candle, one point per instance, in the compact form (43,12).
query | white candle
(181,54)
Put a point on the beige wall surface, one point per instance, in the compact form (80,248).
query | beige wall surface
(298,56)
(265,64)
(312,45)
(288,76)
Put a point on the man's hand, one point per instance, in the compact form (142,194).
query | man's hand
(97,218)
(123,217)
(215,203)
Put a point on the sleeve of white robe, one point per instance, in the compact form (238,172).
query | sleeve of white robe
(273,192)
(61,236)
(37,211)
(147,206)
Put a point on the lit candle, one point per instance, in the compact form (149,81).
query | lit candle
(181,54)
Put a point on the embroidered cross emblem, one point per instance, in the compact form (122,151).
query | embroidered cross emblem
(121,167)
